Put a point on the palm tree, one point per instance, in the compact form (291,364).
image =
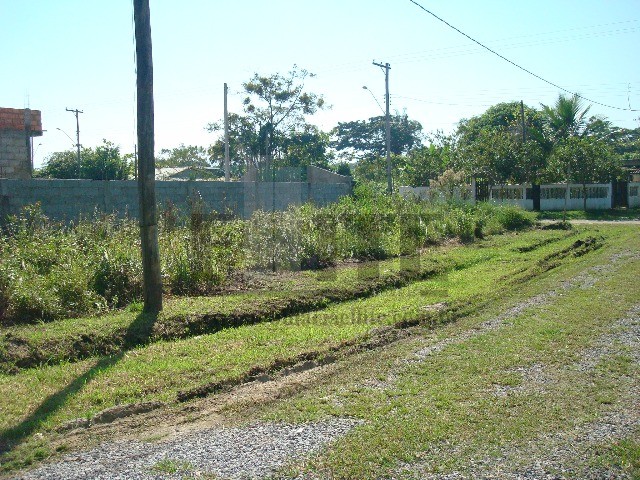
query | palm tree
(567,118)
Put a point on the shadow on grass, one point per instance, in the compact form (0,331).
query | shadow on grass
(138,333)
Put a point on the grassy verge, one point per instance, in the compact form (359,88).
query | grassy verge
(27,346)
(470,404)
(613,214)
(39,400)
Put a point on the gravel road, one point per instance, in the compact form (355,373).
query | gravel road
(255,451)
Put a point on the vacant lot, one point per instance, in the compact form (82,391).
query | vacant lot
(513,356)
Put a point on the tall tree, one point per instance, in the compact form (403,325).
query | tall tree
(366,138)
(275,110)
(584,160)
(566,118)
(493,145)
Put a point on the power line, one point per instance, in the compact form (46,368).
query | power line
(515,64)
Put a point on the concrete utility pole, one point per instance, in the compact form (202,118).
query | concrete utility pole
(386,68)
(227,162)
(524,131)
(76,112)
(152,280)
(535,184)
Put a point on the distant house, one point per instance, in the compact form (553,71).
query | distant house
(633,169)
(17,129)
(188,173)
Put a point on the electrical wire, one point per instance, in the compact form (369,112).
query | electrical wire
(515,64)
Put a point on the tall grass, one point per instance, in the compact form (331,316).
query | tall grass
(50,271)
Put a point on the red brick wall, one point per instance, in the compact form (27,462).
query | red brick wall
(13,119)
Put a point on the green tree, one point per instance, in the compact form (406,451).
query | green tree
(244,146)
(374,168)
(495,156)
(273,125)
(367,138)
(625,142)
(584,160)
(306,146)
(566,118)
(493,145)
(183,156)
(343,168)
(102,163)
(424,164)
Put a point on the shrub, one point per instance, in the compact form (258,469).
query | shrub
(500,218)
(118,278)
(48,270)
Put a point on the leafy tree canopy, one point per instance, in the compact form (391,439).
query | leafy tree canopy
(566,118)
(183,156)
(273,124)
(367,138)
(583,160)
(492,145)
(102,163)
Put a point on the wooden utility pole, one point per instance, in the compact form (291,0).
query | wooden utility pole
(386,68)
(152,280)
(227,162)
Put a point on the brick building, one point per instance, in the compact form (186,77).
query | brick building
(17,129)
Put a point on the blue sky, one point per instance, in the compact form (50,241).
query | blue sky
(79,54)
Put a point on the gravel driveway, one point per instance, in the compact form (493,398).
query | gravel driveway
(255,451)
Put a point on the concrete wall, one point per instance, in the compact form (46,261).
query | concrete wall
(320,175)
(634,194)
(425,193)
(68,199)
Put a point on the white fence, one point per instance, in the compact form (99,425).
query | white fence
(519,195)
(634,194)
(555,196)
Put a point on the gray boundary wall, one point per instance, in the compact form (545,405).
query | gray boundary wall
(70,199)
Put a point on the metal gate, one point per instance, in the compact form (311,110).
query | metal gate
(619,194)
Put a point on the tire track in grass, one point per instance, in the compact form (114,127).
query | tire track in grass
(578,451)
(586,279)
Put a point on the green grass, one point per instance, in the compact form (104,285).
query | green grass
(625,454)
(441,413)
(40,399)
(612,214)
(170,466)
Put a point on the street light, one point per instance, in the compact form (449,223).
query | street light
(364,87)
(387,128)
(72,142)
(33,157)
(75,145)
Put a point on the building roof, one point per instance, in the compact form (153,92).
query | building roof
(188,173)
